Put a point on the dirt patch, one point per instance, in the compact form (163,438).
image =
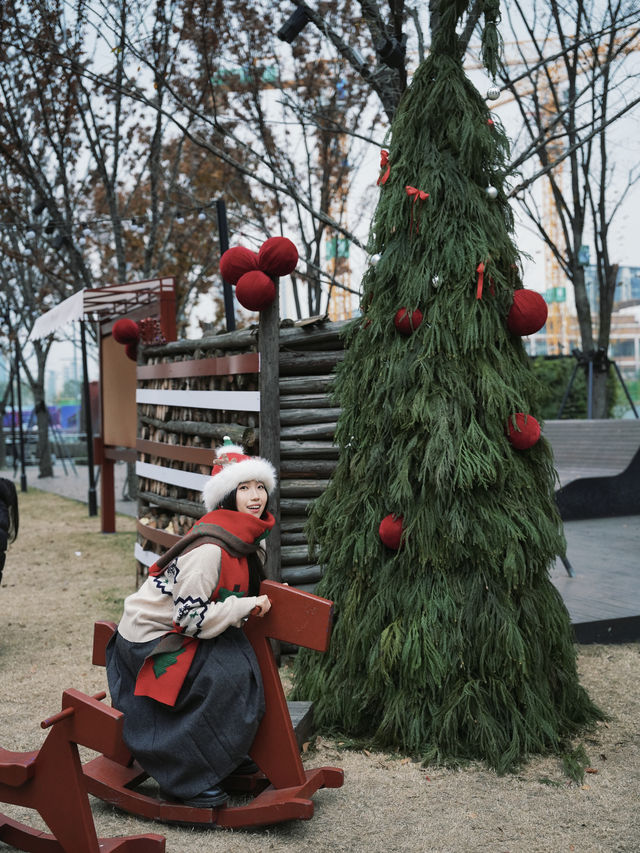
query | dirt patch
(62,574)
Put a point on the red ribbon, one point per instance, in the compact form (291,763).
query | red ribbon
(384,161)
(480,271)
(416,195)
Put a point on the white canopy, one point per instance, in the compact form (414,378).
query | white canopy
(71,309)
(102,302)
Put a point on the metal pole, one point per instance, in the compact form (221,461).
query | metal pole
(590,389)
(13,423)
(93,502)
(567,391)
(625,389)
(92,498)
(223,232)
(23,473)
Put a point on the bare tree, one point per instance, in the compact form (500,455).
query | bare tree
(571,84)
(206,96)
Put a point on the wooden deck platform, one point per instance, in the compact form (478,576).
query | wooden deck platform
(603,597)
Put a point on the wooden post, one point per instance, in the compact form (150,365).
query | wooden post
(269,341)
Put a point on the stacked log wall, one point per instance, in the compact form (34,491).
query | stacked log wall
(176,442)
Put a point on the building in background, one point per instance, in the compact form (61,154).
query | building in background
(561,334)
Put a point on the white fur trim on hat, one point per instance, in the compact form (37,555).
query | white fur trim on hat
(235,467)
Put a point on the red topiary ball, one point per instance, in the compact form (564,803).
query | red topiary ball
(235,262)
(255,291)
(406,322)
(277,256)
(390,531)
(528,313)
(125,331)
(525,433)
(131,349)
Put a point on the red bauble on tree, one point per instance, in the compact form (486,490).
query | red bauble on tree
(525,433)
(237,261)
(277,256)
(406,322)
(255,291)
(390,531)
(125,331)
(528,313)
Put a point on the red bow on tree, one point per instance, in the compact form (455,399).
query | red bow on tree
(480,270)
(416,195)
(384,161)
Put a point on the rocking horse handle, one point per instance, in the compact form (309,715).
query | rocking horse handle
(66,712)
(295,617)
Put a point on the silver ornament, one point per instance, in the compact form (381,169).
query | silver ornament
(493,93)
(491,192)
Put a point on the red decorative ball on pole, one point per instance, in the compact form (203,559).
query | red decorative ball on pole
(406,321)
(125,331)
(255,291)
(390,531)
(528,313)
(131,350)
(525,433)
(235,262)
(277,256)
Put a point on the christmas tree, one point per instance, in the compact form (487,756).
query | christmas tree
(439,527)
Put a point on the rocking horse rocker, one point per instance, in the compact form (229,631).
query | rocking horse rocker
(282,788)
(50,781)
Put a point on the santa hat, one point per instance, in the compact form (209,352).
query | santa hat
(232,466)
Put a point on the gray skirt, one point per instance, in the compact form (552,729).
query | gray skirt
(201,740)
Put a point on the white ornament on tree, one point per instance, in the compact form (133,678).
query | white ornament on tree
(493,93)
(491,192)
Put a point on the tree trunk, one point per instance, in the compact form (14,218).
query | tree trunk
(600,392)
(583,309)
(45,462)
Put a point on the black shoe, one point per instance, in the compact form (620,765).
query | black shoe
(246,767)
(209,799)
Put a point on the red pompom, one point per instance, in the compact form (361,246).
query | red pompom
(528,313)
(525,433)
(277,256)
(407,321)
(235,262)
(131,350)
(255,291)
(390,531)
(125,331)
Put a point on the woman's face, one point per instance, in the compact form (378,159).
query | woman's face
(251,497)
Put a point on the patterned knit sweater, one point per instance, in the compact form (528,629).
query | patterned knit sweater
(179,598)
(199,592)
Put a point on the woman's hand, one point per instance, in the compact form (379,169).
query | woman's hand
(263,606)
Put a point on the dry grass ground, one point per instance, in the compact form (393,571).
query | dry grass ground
(62,574)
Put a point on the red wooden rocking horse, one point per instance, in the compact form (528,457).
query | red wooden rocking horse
(282,790)
(50,781)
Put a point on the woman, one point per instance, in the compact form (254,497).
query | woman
(179,666)
(9,518)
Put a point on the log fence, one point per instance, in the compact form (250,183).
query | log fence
(190,394)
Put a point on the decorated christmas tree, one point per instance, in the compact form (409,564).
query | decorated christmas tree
(438,529)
